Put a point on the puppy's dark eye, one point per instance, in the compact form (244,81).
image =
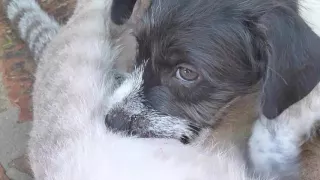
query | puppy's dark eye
(186,73)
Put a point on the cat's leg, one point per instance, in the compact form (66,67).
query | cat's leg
(34,26)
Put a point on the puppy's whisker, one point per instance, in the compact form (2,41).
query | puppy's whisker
(278,74)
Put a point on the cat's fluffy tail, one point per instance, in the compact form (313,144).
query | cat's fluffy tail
(33,25)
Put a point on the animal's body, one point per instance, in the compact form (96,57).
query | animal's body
(69,139)
(200,56)
(74,90)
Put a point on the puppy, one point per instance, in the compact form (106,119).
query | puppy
(199,56)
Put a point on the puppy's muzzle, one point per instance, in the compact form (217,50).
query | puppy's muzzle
(119,121)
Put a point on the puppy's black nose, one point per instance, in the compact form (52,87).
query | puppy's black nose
(118,121)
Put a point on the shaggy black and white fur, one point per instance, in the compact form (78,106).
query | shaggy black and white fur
(228,48)
(233,46)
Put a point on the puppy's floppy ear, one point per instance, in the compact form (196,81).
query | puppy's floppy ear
(121,10)
(293,60)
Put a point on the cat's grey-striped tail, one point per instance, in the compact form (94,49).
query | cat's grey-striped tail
(33,25)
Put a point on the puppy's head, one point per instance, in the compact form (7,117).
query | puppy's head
(200,55)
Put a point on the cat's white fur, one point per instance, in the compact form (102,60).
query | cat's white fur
(69,140)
